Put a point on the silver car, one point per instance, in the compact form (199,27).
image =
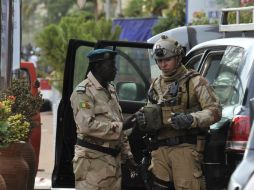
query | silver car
(243,176)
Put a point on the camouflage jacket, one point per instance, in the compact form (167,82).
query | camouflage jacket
(98,116)
(186,92)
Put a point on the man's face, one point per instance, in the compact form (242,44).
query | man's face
(107,70)
(167,65)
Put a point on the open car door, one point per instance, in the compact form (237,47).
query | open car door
(132,83)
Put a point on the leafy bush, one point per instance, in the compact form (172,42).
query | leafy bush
(17,108)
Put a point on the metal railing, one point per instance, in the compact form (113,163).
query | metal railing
(225,26)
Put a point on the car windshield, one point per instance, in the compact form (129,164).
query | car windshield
(223,73)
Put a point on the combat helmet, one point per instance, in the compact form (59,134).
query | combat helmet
(166,47)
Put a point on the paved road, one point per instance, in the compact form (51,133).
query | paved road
(46,160)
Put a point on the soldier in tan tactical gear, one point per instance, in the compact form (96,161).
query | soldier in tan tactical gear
(188,107)
(101,144)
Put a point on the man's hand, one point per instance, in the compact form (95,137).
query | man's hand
(137,118)
(181,121)
(141,120)
(131,164)
(129,122)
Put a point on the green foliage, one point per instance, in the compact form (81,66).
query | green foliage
(157,6)
(57,9)
(53,46)
(175,17)
(17,107)
(145,8)
(25,103)
(4,133)
(18,129)
(134,9)
(245,17)
(53,39)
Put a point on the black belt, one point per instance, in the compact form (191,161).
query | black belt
(177,140)
(111,151)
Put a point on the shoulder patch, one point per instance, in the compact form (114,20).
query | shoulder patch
(81,89)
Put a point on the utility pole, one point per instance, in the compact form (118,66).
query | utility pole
(119,8)
(107,9)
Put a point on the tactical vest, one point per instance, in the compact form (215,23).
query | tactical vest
(175,99)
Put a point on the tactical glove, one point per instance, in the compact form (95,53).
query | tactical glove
(129,122)
(141,120)
(181,121)
(131,164)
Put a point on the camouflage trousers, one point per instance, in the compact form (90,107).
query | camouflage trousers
(96,173)
(179,164)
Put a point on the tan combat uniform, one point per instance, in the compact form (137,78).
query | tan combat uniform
(181,163)
(98,119)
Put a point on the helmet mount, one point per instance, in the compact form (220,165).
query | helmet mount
(166,47)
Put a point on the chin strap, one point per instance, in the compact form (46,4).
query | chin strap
(179,61)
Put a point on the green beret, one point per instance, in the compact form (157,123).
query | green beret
(101,54)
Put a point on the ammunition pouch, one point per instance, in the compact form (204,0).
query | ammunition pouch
(153,118)
(166,114)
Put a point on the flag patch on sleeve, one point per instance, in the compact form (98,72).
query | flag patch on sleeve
(84,105)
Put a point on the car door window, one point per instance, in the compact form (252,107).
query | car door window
(129,82)
(194,62)
(222,72)
(128,73)
(212,65)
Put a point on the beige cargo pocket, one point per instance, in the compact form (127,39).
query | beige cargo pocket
(194,184)
(81,167)
(182,184)
(102,174)
(198,157)
(198,181)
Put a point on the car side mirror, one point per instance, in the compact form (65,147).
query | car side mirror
(131,91)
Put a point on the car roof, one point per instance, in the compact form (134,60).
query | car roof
(189,36)
(240,42)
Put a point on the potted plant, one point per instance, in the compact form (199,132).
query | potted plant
(14,126)
(17,108)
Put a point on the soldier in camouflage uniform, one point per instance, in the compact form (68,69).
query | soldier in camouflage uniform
(188,107)
(101,144)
